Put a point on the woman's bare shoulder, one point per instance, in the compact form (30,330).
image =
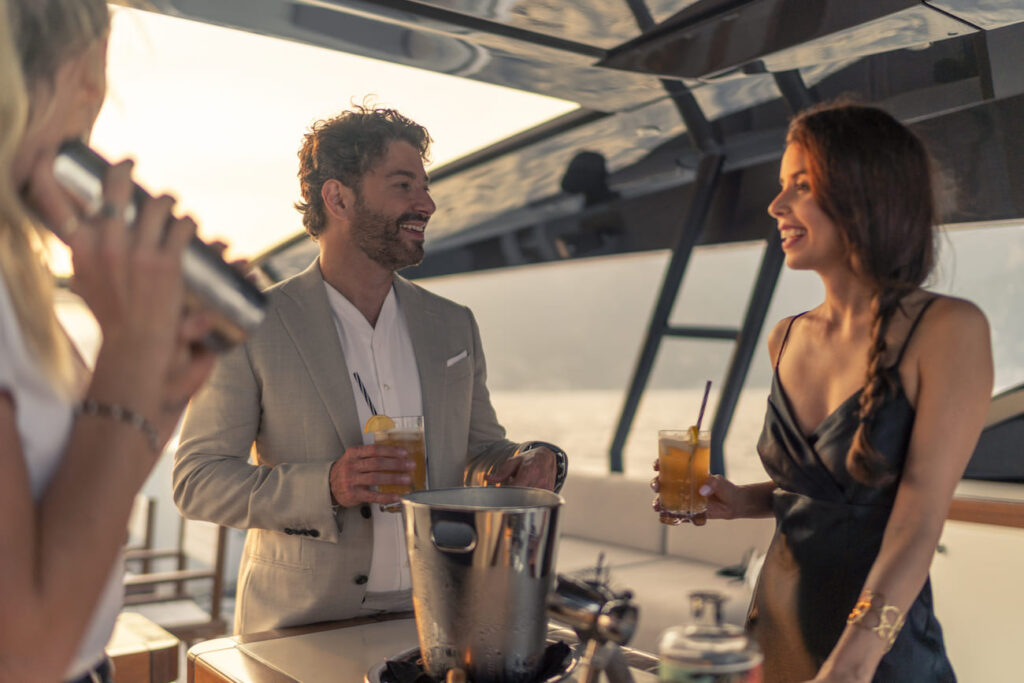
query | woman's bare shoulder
(952,312)
(777,335)
(954,325)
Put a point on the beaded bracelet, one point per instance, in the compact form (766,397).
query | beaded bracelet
(91,406)
(890,617)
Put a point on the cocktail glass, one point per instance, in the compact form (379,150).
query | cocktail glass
(408,434)
(683,467)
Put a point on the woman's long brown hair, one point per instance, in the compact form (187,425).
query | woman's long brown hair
(872,176)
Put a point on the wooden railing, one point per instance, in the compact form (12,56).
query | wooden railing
(981,511)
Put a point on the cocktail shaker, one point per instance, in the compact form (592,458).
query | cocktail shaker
(236,305)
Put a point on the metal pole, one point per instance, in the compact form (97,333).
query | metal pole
(708,172)
(798,96)
(746,344)
(794,90)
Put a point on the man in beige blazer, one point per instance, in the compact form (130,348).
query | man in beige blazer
(287,397)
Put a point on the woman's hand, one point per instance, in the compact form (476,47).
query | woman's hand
(725,499)
(130,276)
(666,516)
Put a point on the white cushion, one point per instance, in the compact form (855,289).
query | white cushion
(611,508)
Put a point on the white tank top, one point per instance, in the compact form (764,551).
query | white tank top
(44,419)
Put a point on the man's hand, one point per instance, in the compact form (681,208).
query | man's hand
(361,468)
(536,467)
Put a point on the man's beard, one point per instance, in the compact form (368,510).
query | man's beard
(380,237)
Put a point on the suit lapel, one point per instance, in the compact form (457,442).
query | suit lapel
(310,324)
(425,329)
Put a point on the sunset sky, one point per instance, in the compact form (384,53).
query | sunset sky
(215,116)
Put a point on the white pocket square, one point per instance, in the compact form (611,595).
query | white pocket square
(456,358)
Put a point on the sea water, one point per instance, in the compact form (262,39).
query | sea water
(583,423)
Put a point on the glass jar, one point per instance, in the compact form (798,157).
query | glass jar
(708,651)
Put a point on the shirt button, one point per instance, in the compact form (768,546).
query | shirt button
(361,579)
(365,511)
(387,387)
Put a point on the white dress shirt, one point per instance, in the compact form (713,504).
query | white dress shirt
(383,357)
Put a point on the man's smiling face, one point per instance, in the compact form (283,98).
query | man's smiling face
(392,207)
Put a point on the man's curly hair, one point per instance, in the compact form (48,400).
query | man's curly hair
(344,148)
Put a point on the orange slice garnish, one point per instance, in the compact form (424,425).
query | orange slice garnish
(378,423)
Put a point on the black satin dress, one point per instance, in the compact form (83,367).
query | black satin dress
(829,531)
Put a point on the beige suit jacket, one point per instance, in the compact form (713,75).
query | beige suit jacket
(287,390)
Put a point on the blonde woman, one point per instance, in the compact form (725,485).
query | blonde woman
(74,450)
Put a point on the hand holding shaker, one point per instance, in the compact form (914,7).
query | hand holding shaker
(212,285)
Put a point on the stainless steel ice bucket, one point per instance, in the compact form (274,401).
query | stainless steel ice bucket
(483,560)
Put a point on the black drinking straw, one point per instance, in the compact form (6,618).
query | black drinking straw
(703,405)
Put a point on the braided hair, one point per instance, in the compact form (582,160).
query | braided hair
(872,177)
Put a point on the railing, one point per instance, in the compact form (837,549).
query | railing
(995,512)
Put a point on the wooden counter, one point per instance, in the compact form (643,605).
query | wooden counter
(141,651)
(329,652)
(345,650)
(984,502)
(241,658)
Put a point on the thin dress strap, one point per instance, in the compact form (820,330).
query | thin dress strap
(913,326)
(784,339)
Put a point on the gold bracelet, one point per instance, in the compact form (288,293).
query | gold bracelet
(890,618)
(115,411)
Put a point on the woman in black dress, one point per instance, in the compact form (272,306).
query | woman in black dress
(878,397)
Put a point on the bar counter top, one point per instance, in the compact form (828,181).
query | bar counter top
(325,653)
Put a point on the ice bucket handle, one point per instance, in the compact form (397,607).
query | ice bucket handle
(453,537)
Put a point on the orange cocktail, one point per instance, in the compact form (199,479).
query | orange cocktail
(683,466)
(407,433)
